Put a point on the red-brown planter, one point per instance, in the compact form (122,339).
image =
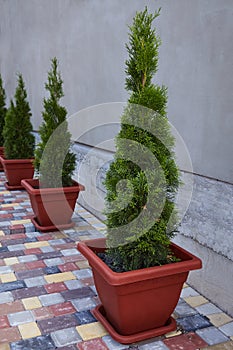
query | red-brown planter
(138,305)
(53,207)
(1,155)
(17,170)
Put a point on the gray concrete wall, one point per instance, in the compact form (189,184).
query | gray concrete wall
(88,37)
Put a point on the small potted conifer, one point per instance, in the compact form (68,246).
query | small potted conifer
(53,195)
(138,271)
(3,111)
(19,141)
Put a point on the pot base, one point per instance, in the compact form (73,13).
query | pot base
(52,227)
(99,313)
(13,188)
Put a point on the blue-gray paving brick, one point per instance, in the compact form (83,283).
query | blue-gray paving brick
(20,318)
(183,309)
(51,270)
(73,284)
(28,292)
(49,255)
(113,344)
(77,293)
(212,335)
(56,241)
(53,262)
(9,254)
(71,251)
(27,258)
(16,247)
(227,329)
(35,281)
(57,323)
(6,297)
(66,336)
(83,273)
(9,286)
(43,342)
(85,317)
(51,299)
(192,323)
(4,249)
(154,345)
(5,269)
(83,304)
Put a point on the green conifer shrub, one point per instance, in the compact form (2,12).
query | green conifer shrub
(144,122)
(57,164)
(19,142)
(3,110)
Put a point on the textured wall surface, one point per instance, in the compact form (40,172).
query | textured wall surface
(89,37)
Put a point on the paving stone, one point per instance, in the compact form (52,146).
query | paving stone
(59,277)
(11,286)
(47,249)
(68,252)
(62,309)
(192,323)
(223,346)
(55,287)
(50,299)
(73,284)
(154,345)
(5,269)
(91,330)
(27,258)
(28,292)
(8,277)
(29,274)
(219,319)
(190,341)
(93,344)
(31,303)
(29,330)
(8,335)
(188,292)
(42,313)
(83,304)
(84,273)
(208,309)
(32,265)
(67,267)
(51,270)
(183,309)
(4,323)
(20,318)
(227,329)
(35,281)
(49,255)
(53,261)
(57,323)
(212,335)
(65,337)
(43,342)
(77,293)
(6,297)
(57,241)
(85,317)
(11,261)
(16,247)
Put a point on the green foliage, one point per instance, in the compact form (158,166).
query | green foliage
(53,158)
(19,142)
(3,110)
(143,179)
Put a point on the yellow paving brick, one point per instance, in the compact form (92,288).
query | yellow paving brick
(4,192)
(84,238)
(9,205)
(5,346)
(31,245)
(8,277)
(91,330)
(83,264)
(11,261)
(58,235)
(31,303)
(29,330)
(173,334)
(196,300)
(2,233)
(20,222)
(59,277)
(219,319)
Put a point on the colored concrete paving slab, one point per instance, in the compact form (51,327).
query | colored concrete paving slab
(47,291)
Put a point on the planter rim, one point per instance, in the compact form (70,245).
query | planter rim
(190,262)
(29,183)
(20,160)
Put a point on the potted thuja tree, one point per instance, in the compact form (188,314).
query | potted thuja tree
(19,141)
(138,271)
(53,195)
(3,111)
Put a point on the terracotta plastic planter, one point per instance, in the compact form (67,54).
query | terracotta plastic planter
(1,155)
(53,207)
(17,170)
(137,305)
